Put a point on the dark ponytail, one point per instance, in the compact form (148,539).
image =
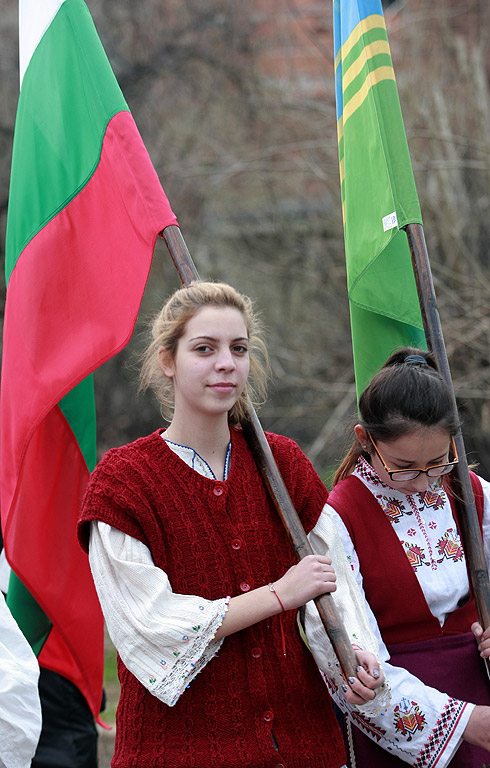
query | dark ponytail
(408,392)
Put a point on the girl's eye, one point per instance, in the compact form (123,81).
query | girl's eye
(240,349)
(203,348)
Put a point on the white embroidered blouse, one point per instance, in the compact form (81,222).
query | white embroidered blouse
(433,547)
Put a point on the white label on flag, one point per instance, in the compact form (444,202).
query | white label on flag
(390,221)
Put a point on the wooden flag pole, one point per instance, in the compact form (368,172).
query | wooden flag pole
(272,478)
(463,491)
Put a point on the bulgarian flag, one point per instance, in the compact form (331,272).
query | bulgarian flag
(378,191)
(85,209)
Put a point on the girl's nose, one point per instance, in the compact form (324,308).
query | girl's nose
(420,483)
(225,360)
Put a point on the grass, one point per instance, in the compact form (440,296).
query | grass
(111,682)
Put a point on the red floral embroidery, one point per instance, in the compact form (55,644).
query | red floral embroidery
(408,718)
(450,546)
(415,554)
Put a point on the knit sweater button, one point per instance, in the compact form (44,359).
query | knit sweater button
(280,765)
(236,544)
(244,586)
(217,490)
(268,716)
(256,653)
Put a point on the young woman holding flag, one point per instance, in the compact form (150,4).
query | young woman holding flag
(195,573)
(393,507)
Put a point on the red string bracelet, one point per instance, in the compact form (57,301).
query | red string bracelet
(283,639)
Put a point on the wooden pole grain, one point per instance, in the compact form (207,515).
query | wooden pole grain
(460,476)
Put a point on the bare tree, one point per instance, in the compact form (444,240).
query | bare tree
(235,103)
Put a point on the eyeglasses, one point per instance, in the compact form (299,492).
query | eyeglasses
(399,475)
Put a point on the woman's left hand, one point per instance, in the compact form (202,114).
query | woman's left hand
(369,678)
(483,639)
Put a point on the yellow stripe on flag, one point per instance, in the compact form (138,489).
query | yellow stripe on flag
(368,52)
(371,22)
(372,78)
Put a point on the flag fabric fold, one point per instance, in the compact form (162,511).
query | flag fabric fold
(378,190)
(85,209)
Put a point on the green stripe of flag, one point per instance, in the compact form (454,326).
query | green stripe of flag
(31,619)
(78,407)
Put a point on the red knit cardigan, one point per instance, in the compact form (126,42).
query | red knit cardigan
(250,706)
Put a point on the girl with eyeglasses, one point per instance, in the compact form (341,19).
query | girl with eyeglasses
(393,507)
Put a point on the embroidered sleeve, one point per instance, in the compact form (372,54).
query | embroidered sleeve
(163,638)
(422,726)
(351,609)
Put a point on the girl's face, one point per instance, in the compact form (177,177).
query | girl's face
(423,447)
(211,364)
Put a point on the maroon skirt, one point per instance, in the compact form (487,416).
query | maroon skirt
(451,664)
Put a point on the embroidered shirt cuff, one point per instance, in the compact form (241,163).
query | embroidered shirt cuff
(168,683)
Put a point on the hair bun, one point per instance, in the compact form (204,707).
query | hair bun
(415,360)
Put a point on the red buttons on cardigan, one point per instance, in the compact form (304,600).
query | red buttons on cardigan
(244,586)
(268,716)
(218,490)
(236,544)
(256,653)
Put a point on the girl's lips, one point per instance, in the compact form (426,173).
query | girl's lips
(223,386)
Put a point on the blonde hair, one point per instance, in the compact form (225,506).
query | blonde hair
(169,326)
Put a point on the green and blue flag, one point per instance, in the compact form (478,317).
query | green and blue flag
(378,191)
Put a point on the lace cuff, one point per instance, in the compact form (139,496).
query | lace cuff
(168,686)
